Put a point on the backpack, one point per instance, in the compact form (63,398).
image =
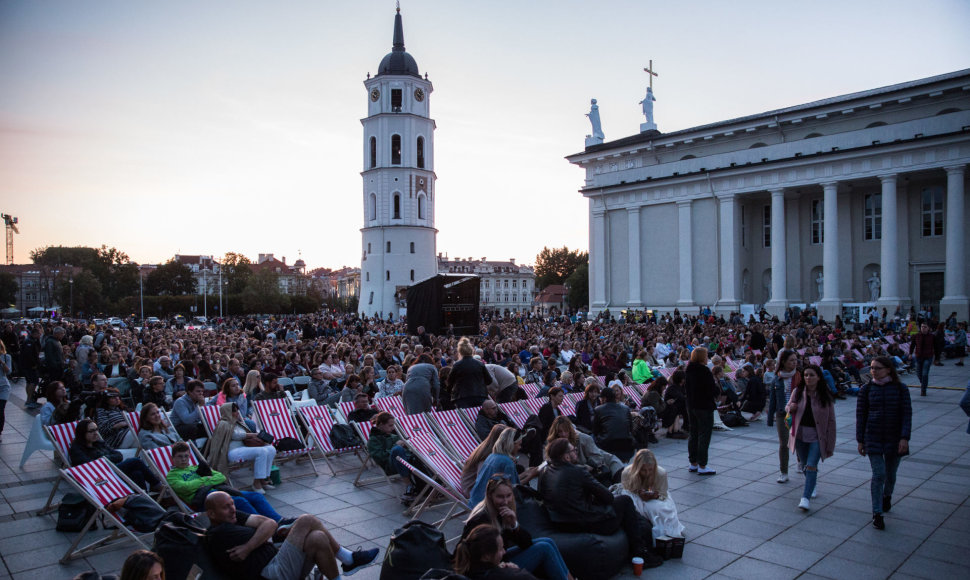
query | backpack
(180,543)
(73,513)
(343,436)
(415,548)
(734,419)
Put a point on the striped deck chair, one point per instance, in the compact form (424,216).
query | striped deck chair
(134,421)
(444,469)
(454,433)
(210,418)
(533,405)
(409,426)
(904,346)
(666,372)
(101,483)
(635,394)
(516,413)
(531,389)
(890,339)
(470,414)
(274,416)
(61,437)
(393,405)
(458,503)
(319,423)
(568,406)
(159,460)
(363,431)
(345,409)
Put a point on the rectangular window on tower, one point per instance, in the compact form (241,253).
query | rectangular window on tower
(818,222)
(872,217)
(396,100)
(766,226)
(412,247)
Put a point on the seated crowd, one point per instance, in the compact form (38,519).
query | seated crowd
(628,381)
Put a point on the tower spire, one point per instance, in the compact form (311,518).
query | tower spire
(398,31)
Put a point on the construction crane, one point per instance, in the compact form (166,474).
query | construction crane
(11,225)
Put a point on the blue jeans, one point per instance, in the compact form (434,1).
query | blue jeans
(138,472)
(398,451)
(923,372)
(884,468)
(808,455)
(542,556)
(251,502)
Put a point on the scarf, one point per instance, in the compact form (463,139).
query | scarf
(884,381)
(217,449)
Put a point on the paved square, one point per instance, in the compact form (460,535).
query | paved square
(740,523)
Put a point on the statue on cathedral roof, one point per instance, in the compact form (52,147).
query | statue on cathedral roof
(594,118)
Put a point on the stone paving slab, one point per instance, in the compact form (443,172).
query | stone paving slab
(740,523)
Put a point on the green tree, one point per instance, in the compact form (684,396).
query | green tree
(578,283)
(116,273)
(170,279)
(236,272)
(553,266)
(8,289)
(88,294)
(262,294)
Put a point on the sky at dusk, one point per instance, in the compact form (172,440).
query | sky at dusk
(201,127)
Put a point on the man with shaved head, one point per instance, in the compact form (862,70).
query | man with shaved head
(241,546)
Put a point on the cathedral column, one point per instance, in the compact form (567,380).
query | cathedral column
(728,227)
(955,273)
(633,217)
(889,246)
(830,306)
(779,272)
(685,257)
(597,260)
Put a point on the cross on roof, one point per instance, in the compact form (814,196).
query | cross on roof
(649,71)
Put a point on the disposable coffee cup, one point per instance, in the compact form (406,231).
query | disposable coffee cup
(637,566)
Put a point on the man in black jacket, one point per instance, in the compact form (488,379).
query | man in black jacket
(612,426)
(576,502)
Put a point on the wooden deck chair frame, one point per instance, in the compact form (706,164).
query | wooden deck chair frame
(60,436)
(437,460)
(209,429)
(459,505)
(363,431)
(96,468)
(276,417)
(319,422)
(159,460)
(454,433)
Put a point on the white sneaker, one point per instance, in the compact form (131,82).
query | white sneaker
(803,505)
(706,471)
(815,492)
(801,467)
(783,478)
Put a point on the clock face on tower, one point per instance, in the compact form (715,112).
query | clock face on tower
(374,95)
(418,95)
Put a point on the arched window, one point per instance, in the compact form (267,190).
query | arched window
(387,275)
(395,149)
(368,276)
(373,152)
(388,247)
(420,152)
(373,206)
(412,247)
(412,275)
(756,145)
(420,207)
(397,206)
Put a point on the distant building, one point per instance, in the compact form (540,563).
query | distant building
(551,300)
(292,279)
(37,287)
(506,286)
(342,283)
(206,272)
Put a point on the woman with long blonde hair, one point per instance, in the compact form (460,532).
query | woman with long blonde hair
(645,482)
(253,384)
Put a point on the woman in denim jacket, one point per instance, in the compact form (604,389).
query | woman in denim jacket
(778,394)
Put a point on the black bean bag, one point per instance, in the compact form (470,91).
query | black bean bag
(588,556)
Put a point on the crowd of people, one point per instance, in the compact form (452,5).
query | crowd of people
(592,468)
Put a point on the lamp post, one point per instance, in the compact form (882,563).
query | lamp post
(141,294)
(205,296)
(71,280)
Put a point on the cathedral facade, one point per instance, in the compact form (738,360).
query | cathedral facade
(856,199)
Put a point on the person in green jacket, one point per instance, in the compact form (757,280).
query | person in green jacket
(186,481)
(641,370)
(384,447)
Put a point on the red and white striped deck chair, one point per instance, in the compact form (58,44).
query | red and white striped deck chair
(345,409)
(134,420)
(458,503)
(363,431)
(409,426)
(100,483)
(319,423)
(801,352)
(531,389)
(666,372)
(61,436)
(159,460)
(393,405)
(454,433)
(634,393)
(274,416)
(533,405)
(904,346)
(470,414)
(890,339)
(516,413)
(210,418)
(445,470)
(568,406)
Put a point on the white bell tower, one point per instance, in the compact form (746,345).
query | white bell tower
(399,237)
